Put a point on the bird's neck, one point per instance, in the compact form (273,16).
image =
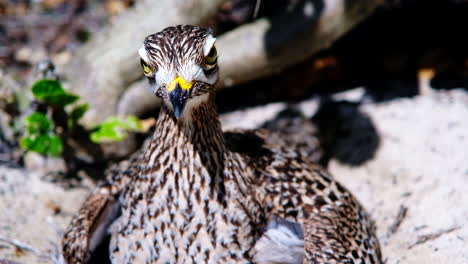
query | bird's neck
(192,146)
(199,125)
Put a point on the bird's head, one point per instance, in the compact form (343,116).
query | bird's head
(181,65)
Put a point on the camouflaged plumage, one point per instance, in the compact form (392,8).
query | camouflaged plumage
(198,195)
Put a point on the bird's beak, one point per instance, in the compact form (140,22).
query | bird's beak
(179,90)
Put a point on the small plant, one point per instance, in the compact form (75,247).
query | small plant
(40,136)
(51,130)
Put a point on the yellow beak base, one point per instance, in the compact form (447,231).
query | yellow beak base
(181,82)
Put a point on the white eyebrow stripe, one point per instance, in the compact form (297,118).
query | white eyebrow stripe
(143,54)
(210,40)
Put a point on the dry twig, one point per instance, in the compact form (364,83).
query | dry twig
(424,238)
(20,245)
(398,220)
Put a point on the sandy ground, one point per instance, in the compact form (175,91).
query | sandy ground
(34,214)
(412,180)
(421,164)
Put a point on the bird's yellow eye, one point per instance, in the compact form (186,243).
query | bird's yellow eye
(146,68)
(212,57)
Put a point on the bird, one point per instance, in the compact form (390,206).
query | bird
(198,194)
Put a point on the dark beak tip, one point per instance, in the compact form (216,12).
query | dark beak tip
(178,98)
(177,113)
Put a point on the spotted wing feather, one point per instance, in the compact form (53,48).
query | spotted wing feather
(89,226)
(290,187)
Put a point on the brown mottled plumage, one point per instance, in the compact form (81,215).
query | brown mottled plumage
(199,195)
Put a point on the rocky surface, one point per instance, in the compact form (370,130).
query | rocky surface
(405,159)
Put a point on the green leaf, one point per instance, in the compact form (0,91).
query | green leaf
(106,133)
(113,129)
(43,88)
(37,123)
(78,112)
(45,144)
(61,100)
(33,143)
(52,92)
(132,124)
(40,137)
(55,146)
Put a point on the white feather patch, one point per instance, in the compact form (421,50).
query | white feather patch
(282,242)
(143,54)
(210,41)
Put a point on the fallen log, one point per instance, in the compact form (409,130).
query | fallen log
(108,65)
(269,45)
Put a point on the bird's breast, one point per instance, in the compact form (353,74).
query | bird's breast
(181,220)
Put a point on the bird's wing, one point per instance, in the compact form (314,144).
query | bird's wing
(254,142)
(290,128)
(298,194)
(335,226)
(89,226)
